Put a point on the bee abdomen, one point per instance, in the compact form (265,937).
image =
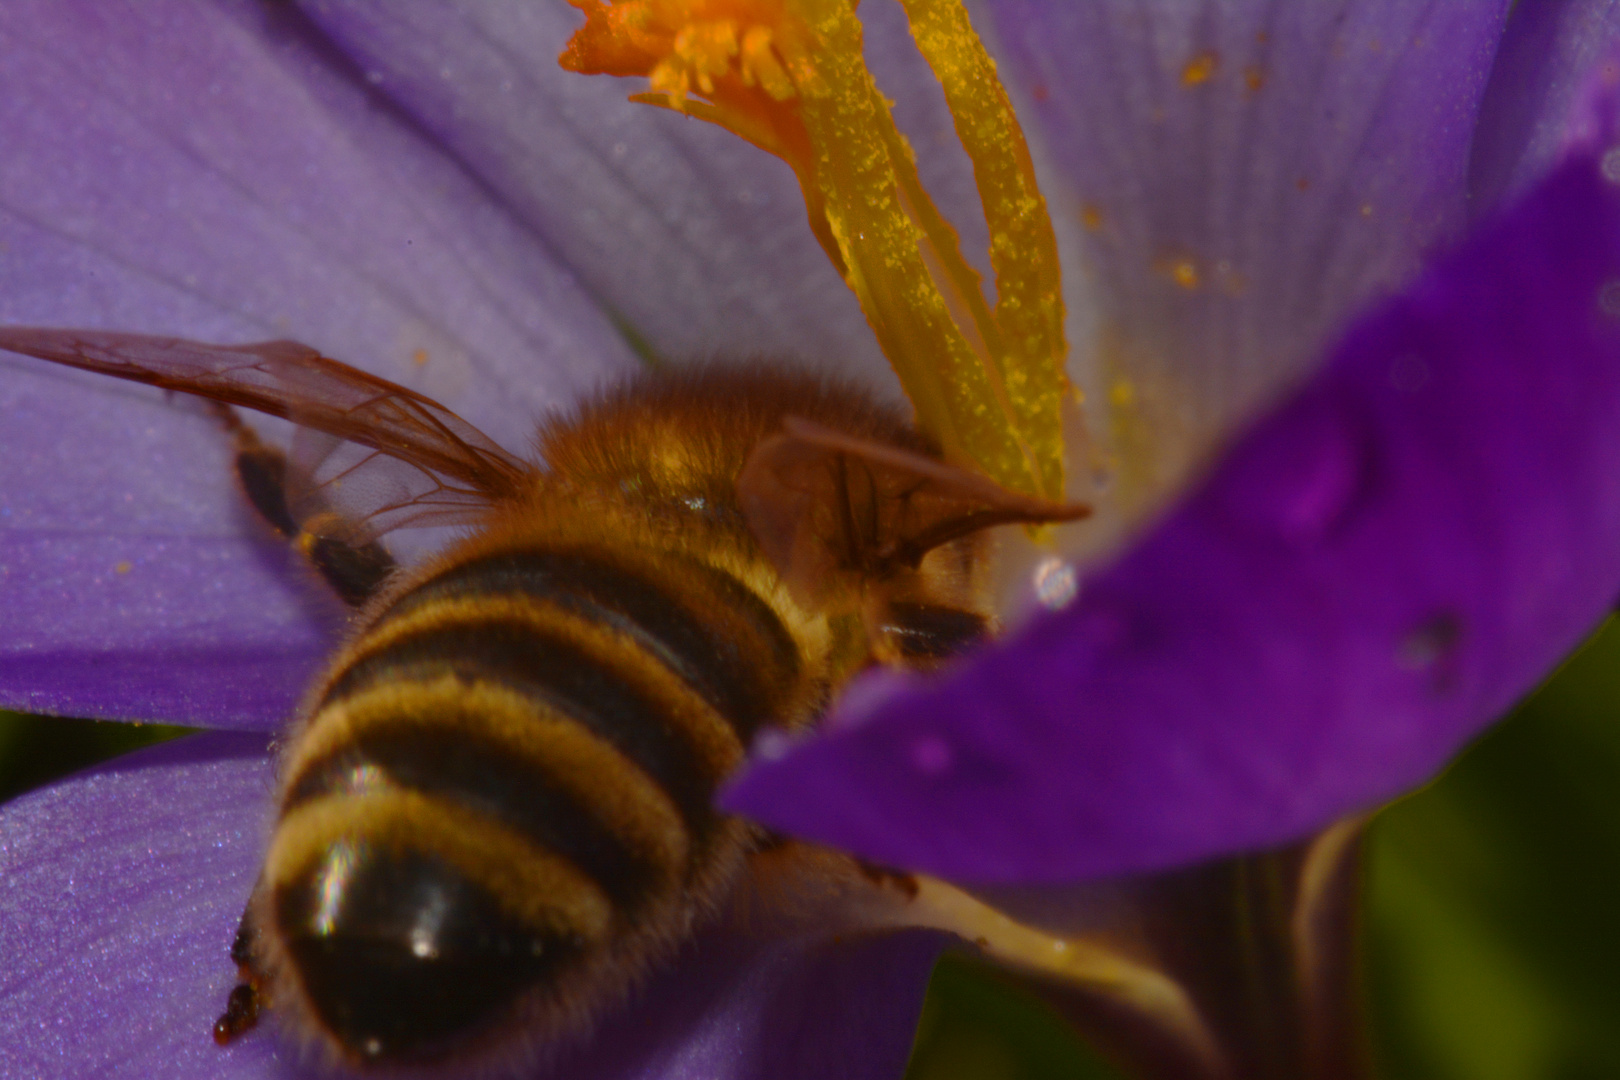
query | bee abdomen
(410,923)
(512,767)
(700,622)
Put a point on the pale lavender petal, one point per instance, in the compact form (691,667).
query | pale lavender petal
(1235,180)
(211,170)
(695,239)
(1548,52)
(1370,576)
(120,892)
(134,582)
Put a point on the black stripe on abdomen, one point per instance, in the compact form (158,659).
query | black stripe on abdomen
(735,652)
(561,676)
(478,773)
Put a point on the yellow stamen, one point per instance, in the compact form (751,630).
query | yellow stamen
(1023,247)
(788,76)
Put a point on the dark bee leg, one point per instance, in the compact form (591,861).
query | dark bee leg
(242,1004)
(355,572)
(921,635)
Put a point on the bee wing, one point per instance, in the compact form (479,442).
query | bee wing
(382,454)
(823,503)
(355,493)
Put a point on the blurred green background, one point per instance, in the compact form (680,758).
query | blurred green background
(1493,905)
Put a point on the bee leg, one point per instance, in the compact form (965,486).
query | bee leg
(922,635)
(355,572)
(242,1004)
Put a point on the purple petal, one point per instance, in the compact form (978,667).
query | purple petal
(1236,180)
(206,170)
(1367,579)
(1547,56)
(693,237)
(134,581)
(745,1009)
(122,889)
(120,892)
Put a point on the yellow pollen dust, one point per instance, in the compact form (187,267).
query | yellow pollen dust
(1200,69)
(1183,270)
(788,76)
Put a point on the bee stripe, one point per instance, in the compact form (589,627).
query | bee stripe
(499,753)
(589,673)
(535,886)
(700,621)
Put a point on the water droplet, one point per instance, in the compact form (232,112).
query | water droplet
(1611,165)
(1301,477)
(1056,583)
(931,755)
(1431,642)
(1609,298)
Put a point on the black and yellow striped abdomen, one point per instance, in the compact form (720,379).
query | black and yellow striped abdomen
(505,785)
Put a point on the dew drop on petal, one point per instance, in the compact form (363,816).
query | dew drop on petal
(1609,298)
(1433,640)
(1611,165)
(1302,482)
(1056,583)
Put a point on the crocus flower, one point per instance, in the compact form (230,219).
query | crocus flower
(1423,519)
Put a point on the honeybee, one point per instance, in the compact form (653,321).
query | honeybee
(494,809)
